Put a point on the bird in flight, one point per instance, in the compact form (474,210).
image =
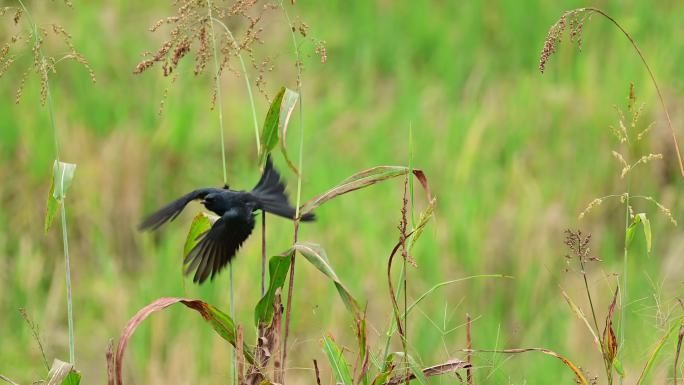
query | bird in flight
(236,210)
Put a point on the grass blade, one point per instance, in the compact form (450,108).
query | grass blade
(316,255)
(659,346)
(278,267)
(339,365)
(575,369)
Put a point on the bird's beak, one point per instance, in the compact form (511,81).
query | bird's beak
(202,201)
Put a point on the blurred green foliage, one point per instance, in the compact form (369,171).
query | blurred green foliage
(512,157)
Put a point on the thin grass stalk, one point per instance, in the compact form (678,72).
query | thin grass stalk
(607,365)
(469,346)
(219,100)
(299,186)
(623,290)
(65,233)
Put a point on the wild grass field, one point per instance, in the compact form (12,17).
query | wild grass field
(512,156)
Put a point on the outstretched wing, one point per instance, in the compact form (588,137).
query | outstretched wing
(270,195)
(219,244)
(171,211)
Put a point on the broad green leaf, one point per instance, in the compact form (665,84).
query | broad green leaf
(316,256)
(278,267)
(339,365)
(63,373)
(52,207)
(200,224)
(364,179)
(269,132)
(221,323)
(286,107)
(646,225)
(275,126)
(62,175)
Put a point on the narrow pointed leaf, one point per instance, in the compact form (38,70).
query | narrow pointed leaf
(316,255)
(278,267)
(200,224)
(221,323)
(675,325)
(646,224)
(339,365)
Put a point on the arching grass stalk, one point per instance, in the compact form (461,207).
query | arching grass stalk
(65,232)
(290,288)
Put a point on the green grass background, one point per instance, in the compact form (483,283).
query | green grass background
(512,155)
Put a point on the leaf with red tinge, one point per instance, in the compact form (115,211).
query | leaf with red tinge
(610,345)
(363,179)
(220,322)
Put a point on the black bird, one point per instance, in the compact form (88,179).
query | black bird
(236,211)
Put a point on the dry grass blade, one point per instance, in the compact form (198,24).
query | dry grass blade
(679,349)
(239,343)
(610,345)
(581,379)
(110,363)
(436,370)
(580,314)
(317,373)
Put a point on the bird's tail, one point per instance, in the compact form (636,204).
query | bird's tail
(270,194)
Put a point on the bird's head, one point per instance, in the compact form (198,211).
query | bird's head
(209,201)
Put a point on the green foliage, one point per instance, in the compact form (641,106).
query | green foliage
(646,226)
(278,267)
(200,224)
(337,362)
(62,176)
(275,125)
(316,255)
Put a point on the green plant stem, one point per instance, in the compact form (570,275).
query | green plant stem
(219,101)
(248,85)
(65,233)
(609,370)
(257,140)
(623,290)
(299,189)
